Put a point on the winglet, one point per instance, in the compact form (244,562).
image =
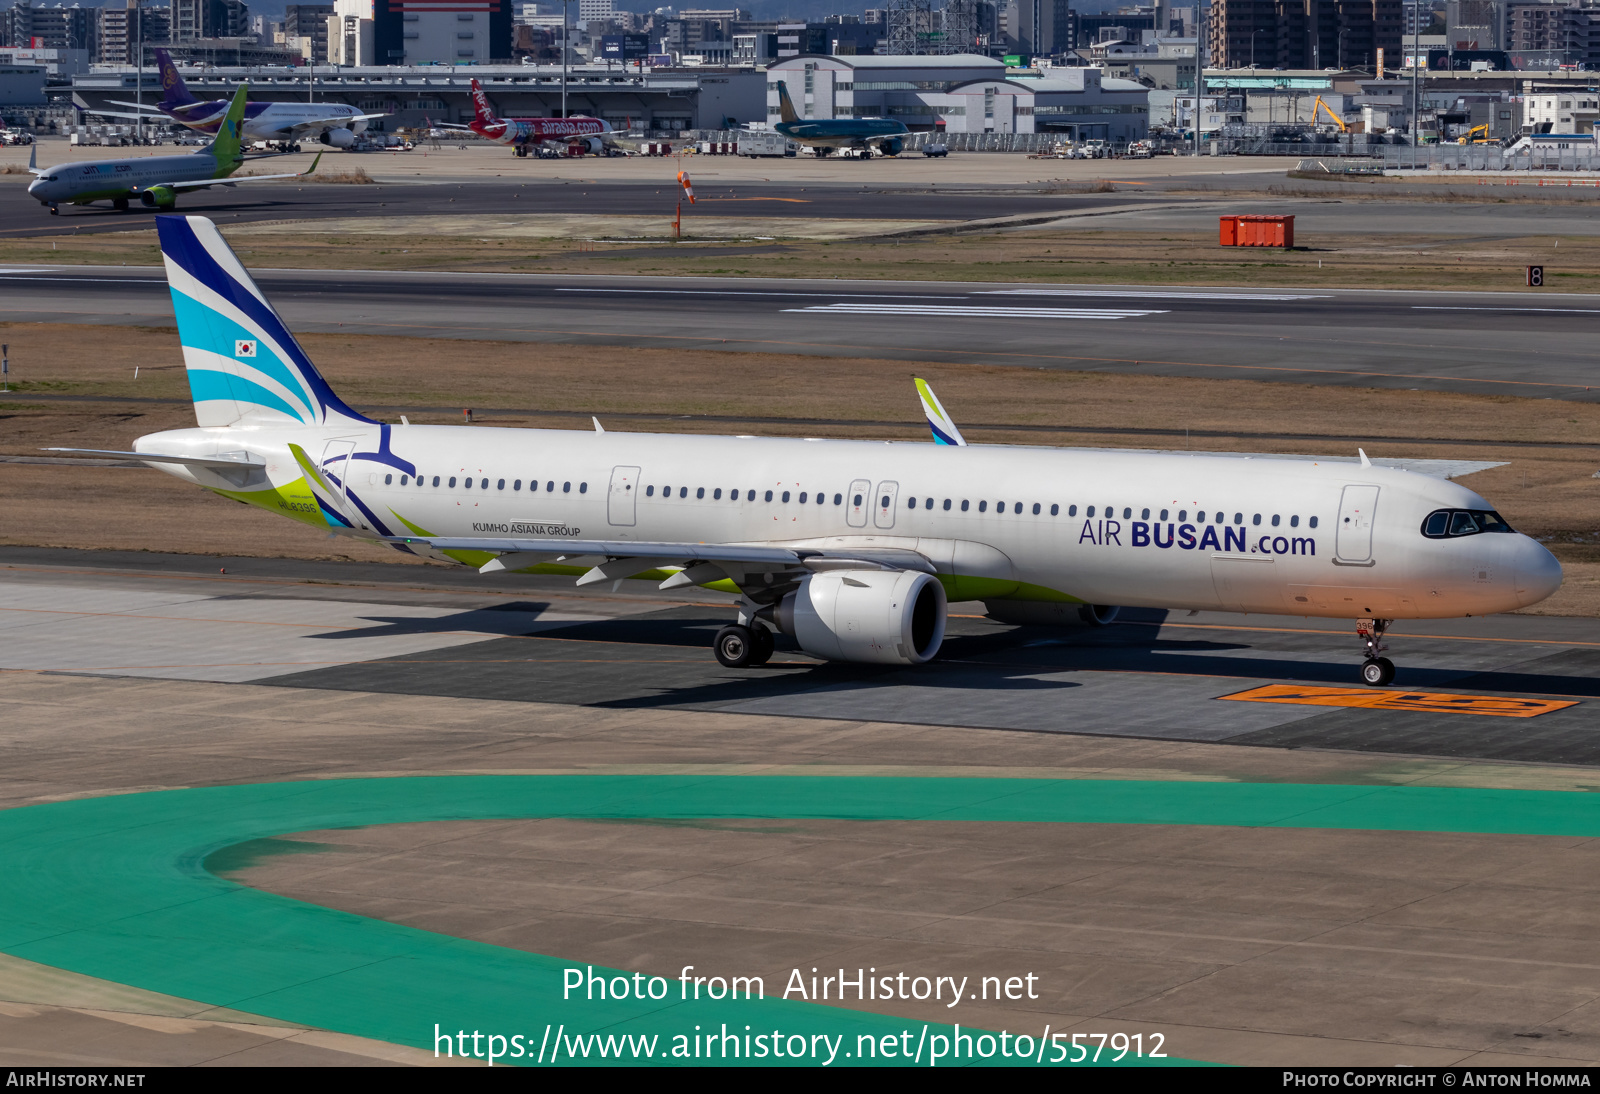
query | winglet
(598,428)
(1363,454)
(944,430)
(313,166)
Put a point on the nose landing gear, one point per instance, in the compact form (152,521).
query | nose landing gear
(1376,671)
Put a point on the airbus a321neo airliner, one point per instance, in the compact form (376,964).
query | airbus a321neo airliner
(852,547)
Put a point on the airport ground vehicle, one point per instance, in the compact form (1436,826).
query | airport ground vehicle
(754,144)
(851,547)
(935,151)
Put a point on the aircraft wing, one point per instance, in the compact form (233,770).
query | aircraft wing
(301,127)
(700,562)
(124,114)
(145,108)
(200,184)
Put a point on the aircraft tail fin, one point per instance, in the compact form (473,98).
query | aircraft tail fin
(483,113)
(174,93)
(225,146)
(785,104)
(243,363)
(944,430)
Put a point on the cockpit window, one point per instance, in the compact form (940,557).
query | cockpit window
(1451,523)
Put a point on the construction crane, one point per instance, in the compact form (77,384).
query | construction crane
(1328,110)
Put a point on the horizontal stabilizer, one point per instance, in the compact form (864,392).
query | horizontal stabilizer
(232,463)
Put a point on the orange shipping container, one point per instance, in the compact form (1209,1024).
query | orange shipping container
(1257,231)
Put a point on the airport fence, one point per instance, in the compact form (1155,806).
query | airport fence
(1447,157)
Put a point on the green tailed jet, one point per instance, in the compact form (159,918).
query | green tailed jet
(154,181)
(830,133)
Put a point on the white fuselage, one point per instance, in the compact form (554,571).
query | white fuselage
(1102,526)
(98,179)
(278,121)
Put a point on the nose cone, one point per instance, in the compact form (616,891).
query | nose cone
(35,186)
(1538,572)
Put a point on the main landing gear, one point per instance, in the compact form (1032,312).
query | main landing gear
(1376,671)
(738,646)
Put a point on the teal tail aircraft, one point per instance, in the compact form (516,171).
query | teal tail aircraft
(154,181)
(827,134)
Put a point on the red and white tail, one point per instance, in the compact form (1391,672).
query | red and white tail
(480,104)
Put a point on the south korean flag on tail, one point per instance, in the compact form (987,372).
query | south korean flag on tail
(244,347)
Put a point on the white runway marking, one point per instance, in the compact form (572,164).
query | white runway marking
(742,292)
(1145,294)
(957,311)
(1442,307)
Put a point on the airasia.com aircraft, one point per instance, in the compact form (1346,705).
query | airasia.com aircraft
(579,134)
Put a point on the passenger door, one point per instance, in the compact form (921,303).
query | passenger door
(1353,538)
(621,503)
(858,503)
(884,498)
(336,465)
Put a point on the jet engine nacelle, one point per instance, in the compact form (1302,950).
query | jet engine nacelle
(892,147)
(338,138)
(887,617)
(592,146)
(158,197)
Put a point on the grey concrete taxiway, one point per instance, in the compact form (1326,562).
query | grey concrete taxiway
(1524,344)
(133,672)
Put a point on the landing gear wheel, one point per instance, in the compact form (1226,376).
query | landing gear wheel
(55,210)
(734,646)
(765,644)
(120,205)
(1377,671)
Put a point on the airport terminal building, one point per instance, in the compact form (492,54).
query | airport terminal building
(662,100)
(965,93)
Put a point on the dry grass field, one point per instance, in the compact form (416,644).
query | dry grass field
(1081,254)
(1547,489)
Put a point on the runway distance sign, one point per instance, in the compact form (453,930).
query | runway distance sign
(1499,706)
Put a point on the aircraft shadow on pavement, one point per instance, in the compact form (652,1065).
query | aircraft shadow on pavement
(506,620)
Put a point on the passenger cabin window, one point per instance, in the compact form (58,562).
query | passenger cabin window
(1454,523)
(583,488)
(501,485)
(928,504)
(1072,510)
(452,482)
(1035,508)
(769,495)
(388,480)
(1144,514)
(1055,510)
(467,483)
(1294,521)
(516,484)
(964,504)
(566,488)
(1312,522)
(1089,512)
(1274,520)
(983,507)
(683,491)
(1163,514)
(436,481)
(785,498)
(649,491)
(700,492)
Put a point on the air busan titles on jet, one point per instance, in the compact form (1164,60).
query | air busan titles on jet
(577,133)
(283,124)
(155,181)
(852,547)
(825,135)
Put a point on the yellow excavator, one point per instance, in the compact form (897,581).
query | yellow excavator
(1328,110)
(1478,134)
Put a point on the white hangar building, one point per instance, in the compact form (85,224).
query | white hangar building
(967,92)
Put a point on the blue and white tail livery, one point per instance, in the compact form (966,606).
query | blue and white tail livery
(244,366)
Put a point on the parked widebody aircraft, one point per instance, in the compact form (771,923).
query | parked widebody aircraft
(828,134)
(283,124)
(154,181)
(583,134)
(852,547)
